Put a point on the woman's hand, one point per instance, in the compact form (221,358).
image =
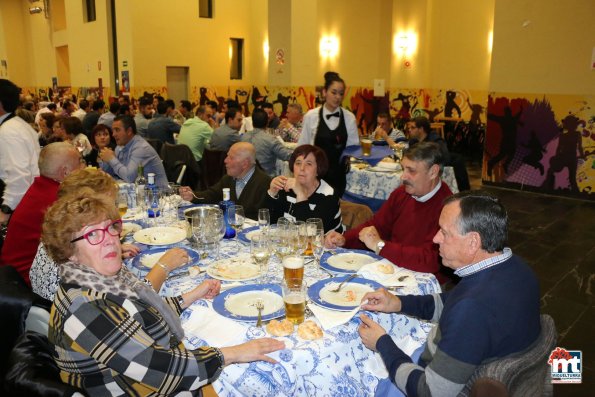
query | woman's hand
(208,289)
(370,332)
(333,240)
(174,258)
(254,350)
(381,301)
(129,250)
(278,183)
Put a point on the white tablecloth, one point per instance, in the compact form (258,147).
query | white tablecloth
(337,364)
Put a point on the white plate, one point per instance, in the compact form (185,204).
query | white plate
(352,261)
(160,235)
(129,227)
(239,268)
(348,298)
(243,303)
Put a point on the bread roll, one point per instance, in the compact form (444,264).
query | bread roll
(280,328)
(309,330)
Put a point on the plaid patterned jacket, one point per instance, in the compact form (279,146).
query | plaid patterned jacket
(113,346)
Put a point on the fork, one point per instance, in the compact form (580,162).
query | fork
(259,306)
(354,275)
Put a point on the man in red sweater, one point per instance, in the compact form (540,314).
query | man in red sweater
(56,161)
(403,229)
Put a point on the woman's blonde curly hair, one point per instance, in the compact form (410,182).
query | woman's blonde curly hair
(69,215)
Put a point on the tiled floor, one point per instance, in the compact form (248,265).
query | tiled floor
(556,236)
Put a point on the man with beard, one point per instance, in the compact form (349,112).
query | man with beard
(143,116)
(403,229)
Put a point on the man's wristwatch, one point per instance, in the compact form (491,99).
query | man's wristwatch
(5,209)
(379,246)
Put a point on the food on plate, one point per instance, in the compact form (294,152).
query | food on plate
(235,271)
(149,260)
(309,330)
(280,328)
(194,271)
(385,268)
(388,160)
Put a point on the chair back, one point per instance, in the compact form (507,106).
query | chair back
(212,167)
(174,158)
(354,214)
(156,143)
(523,374)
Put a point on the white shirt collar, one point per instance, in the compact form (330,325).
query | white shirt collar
(4,116)
(428,196)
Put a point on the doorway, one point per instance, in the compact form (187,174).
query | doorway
(177,83)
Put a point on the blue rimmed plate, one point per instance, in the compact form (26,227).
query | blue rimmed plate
(347,261)
(348,298)
(239,303)
(147,259)
(246,234)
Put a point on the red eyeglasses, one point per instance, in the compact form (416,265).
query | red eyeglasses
(96,236)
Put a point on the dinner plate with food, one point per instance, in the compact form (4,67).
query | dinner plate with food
(162,235)
(240,303)
(347,298)
(147,259)
(347,261)
(239,268)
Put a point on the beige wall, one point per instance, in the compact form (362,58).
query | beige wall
(543,47)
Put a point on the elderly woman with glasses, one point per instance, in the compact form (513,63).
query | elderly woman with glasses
(112,333)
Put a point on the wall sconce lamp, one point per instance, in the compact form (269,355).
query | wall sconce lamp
(329,47)
(405,44)
(38,10)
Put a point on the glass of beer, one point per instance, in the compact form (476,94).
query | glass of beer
(366,146)
(293,268)
(294,297)
(122,203)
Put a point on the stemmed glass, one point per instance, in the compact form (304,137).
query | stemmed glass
(235,218)
(198,230)
(122,203)
(317,242)
(264,219)
(260,251)
(219,228)
(141,203)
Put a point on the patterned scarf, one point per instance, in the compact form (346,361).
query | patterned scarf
(123,284)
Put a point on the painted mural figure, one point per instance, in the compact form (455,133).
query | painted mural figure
(570,149)
(284,101)
(451,104)
(476,111)
(508,126)
(203,96)
(431,114)
(534,157)
(257,98)
(404,113)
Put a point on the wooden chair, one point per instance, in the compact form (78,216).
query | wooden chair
(212,167)
(354,214)
(439,128)
(519,374)
(156,143)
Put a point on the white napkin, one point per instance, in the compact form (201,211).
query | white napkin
(331,318)
(249,223)
(371,272)
(215,329)
(226,286)
(388,165)
(376,364)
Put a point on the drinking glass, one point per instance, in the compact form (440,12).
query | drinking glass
(260,251)
(198,230)
(235,218)
(141,203)
(294,297)
(317,242)
(313,226)
(293,268)
(264,219)
(122,203)
(219,227)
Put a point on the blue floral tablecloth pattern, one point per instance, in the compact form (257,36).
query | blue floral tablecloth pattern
(336,365)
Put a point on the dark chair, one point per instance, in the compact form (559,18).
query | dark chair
(26,364)
(354,214)
(175,157)
(212,167)
(156,143)
(519,374)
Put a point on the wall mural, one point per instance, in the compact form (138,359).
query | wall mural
(538,143)
(542,144)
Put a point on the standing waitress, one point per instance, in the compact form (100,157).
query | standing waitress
(337,130)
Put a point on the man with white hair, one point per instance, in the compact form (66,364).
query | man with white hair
(56,161)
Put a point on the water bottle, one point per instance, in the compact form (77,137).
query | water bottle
(140,182)
(153,196)
(224,205)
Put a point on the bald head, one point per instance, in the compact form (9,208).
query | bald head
(58,159)
(241,157)
(245,150)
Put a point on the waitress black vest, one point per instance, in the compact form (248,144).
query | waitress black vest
(333,142)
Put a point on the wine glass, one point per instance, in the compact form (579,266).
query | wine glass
(313,226)
(198,230)
(317,242)
(218,223)
(264,219)
(260,251)
(235,218)
(122,203)
(141,204)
